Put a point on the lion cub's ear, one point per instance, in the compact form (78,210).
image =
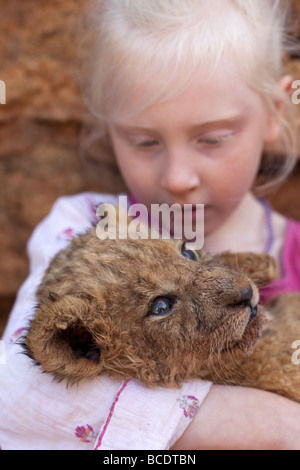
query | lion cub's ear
(261,268)
(61,338)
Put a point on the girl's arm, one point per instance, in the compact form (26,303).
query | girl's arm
(237,418)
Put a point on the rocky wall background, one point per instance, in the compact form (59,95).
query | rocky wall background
(40,127)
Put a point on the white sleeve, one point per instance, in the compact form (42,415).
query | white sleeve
(150,419)
(70,215)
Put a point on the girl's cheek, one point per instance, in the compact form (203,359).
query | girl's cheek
(232,185)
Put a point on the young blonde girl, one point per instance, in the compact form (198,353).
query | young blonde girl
(187,95)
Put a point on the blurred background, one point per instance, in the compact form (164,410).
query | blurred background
(41,125)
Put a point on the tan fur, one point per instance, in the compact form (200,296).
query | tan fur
(95,316)
(271,366)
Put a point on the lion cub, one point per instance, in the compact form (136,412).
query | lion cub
(155,311)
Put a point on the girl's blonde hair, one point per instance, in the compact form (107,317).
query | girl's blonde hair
(164,43)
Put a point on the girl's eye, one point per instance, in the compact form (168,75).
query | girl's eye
(162,307)
(147,143)
(214,140)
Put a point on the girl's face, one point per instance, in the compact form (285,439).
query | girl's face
(202,147)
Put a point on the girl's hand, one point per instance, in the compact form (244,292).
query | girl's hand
(236,418)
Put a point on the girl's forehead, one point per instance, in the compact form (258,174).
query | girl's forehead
(208,95)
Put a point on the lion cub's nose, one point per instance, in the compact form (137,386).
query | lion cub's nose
(247,299)
(246,295)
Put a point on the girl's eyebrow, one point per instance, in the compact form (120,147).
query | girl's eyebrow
(231,121)
(124,129)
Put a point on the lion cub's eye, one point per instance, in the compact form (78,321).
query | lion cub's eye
(188,253)
(161,307)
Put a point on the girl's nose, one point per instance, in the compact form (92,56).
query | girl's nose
(179,177)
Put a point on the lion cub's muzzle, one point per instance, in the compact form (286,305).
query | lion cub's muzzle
(249,299)
(230,316)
